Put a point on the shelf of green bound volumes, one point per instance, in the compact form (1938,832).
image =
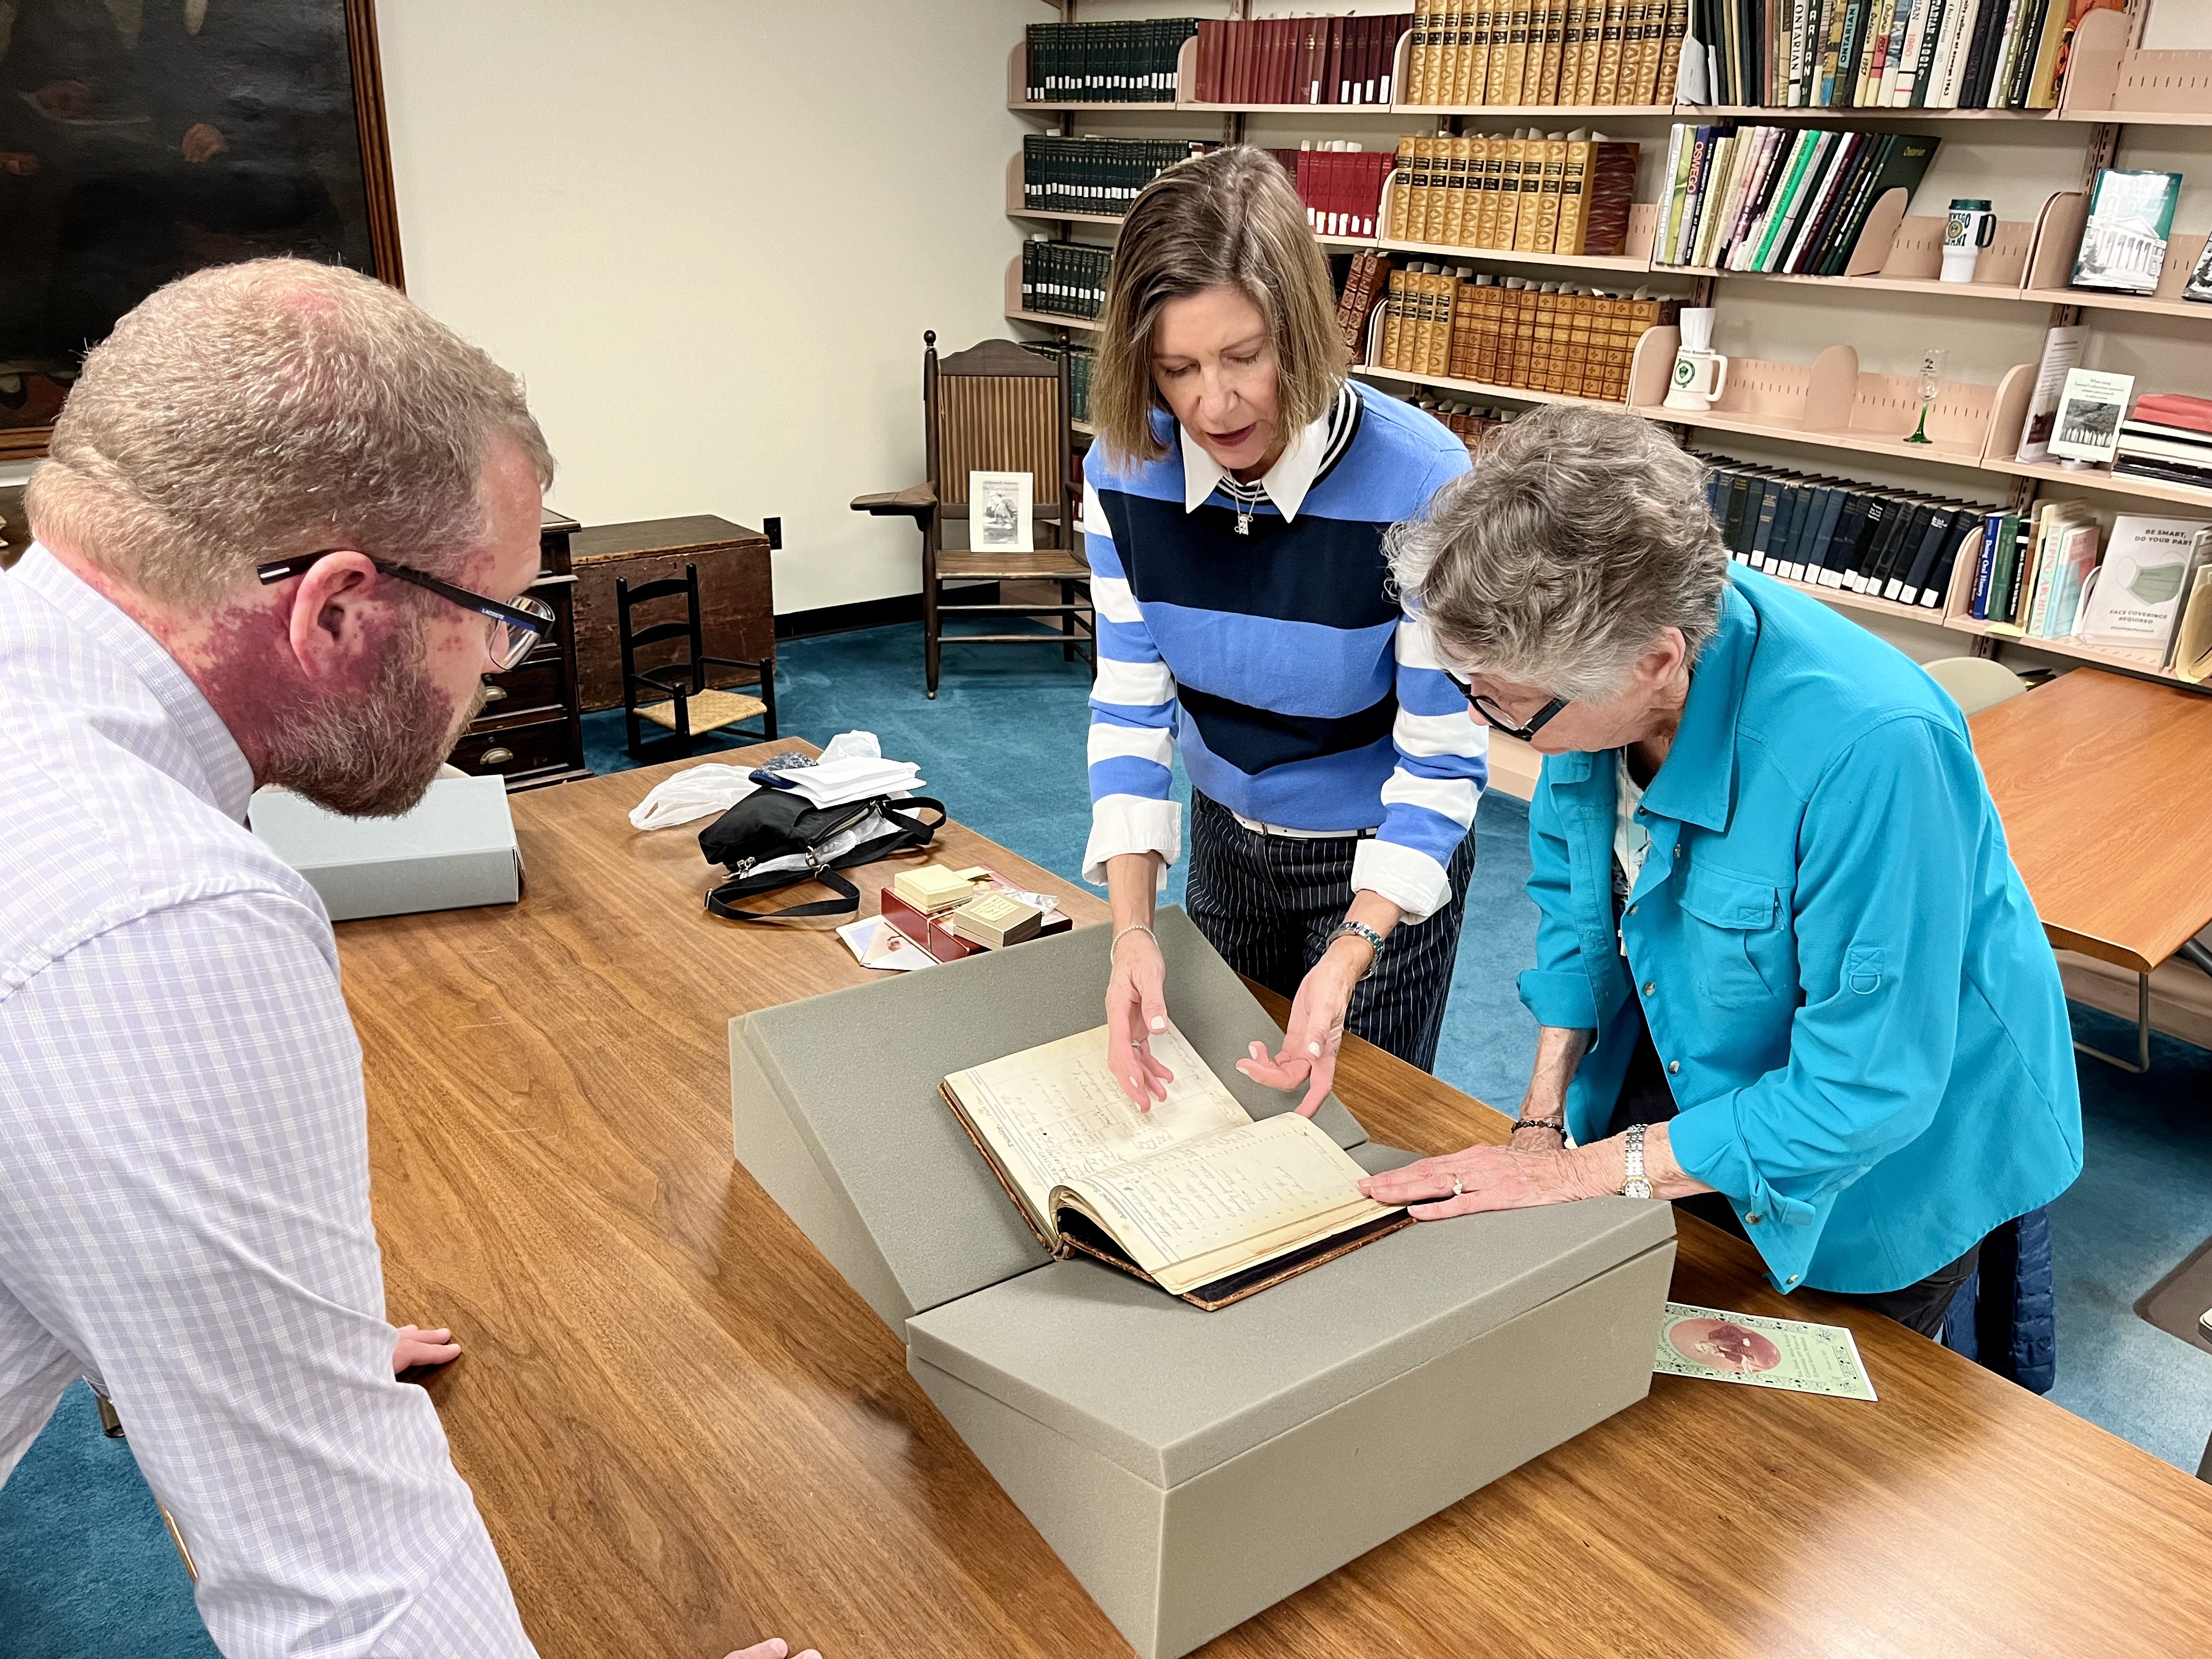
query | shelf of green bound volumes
(1016,312)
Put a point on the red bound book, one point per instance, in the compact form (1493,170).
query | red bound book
(2174,409)
(1333,71)
(1209,62)
(1282,90)
(1371,58)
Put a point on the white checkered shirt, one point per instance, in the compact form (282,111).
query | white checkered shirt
(184,1164)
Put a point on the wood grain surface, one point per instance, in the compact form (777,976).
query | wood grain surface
(684,1430)
(2104,785)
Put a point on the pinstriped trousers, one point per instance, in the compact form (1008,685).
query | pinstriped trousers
(1269,902)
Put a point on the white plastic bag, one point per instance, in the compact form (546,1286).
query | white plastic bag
(698,792)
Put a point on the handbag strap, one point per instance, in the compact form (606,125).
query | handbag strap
(908,834)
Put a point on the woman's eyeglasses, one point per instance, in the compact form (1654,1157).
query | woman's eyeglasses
(515,629)
(1495,717)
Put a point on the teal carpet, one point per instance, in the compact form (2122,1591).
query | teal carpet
(86,1570)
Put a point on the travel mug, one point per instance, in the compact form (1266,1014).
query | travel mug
(1969,228)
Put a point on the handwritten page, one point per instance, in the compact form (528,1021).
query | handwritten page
(1194,1212)
(1053,1115)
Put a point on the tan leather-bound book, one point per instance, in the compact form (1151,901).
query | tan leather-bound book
(1424,188)
(1474,47)
(1492,89)
(1568,234)
(1440,337)
(1509,192)
(1573,342)
(1401,194)
(1546,227)
(1547,42)
(1570,50)
(1454,25)
(1394,321)
(1466,324)
(1418,50)
(1483,158)
(1414,349)
(1675,31)
(1652,43)
(1593,12)
(1460,192)
(1627,87)
(1519,56)
(1490,302)
(1610,40)
(1607,198)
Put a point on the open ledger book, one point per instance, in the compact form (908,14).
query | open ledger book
(1194,1195)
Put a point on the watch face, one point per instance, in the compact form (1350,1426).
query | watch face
(1639,1188)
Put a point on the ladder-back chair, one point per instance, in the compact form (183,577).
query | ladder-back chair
(676,695)
(995,407)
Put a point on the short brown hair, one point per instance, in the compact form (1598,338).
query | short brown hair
(1230,219)
(1580,536)
(252,412)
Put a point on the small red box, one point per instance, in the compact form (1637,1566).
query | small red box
(940,943)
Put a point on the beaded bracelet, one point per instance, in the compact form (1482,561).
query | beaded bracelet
(1138,928)
(1556,1126)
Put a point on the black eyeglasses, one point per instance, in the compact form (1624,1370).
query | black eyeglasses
(1495,718)
(516,628)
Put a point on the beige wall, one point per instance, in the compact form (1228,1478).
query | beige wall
(710,234)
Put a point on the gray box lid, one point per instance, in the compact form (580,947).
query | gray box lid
(856,1074)
(1168,1391)
(454,850)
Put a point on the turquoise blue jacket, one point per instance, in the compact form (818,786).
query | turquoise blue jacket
(1859,1014)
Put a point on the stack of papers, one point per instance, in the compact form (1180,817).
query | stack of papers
(835,782)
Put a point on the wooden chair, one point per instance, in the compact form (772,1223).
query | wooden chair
(676,695)
(995,407)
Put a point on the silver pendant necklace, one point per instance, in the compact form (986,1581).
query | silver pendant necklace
(1244,518)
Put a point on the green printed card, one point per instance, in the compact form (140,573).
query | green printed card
(1767,1353)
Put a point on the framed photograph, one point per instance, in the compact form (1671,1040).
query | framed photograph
(2090,408)
(143,139)
(998,505)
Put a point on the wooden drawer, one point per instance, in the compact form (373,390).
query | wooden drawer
(517,751)
(532,690)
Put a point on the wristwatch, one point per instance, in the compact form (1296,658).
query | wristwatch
(1636,1186)
(1360,930)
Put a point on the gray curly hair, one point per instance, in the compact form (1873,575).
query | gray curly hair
(1580,535)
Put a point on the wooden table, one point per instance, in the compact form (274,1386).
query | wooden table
(2104,785)
(685,1429)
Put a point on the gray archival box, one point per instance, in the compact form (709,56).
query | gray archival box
(1191,1468)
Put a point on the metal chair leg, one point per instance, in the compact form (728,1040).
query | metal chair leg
(2141,1061)
(191,1567)
(2196,954)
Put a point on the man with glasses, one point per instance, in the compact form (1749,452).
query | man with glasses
(287,526)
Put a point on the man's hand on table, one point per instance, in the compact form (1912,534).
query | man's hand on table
(774,1647)
(419,1347)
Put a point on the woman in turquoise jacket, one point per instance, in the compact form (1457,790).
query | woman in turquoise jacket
(1785,969)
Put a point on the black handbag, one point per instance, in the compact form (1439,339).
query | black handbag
(777,823)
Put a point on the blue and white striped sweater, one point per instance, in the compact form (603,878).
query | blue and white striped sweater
(1302,693)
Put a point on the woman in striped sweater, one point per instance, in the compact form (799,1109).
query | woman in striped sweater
(1238,495)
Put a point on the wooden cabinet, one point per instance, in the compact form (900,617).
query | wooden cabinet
(737,602)
(530,731)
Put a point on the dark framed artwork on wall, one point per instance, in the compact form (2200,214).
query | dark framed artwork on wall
(143,139)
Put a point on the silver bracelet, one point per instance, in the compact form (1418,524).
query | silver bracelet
(1137,927)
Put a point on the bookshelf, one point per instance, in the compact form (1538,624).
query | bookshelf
(1828,404)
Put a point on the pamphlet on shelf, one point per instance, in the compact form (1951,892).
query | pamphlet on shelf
(2124,244)
(2061,351)
(2091,406)
(2134,597)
